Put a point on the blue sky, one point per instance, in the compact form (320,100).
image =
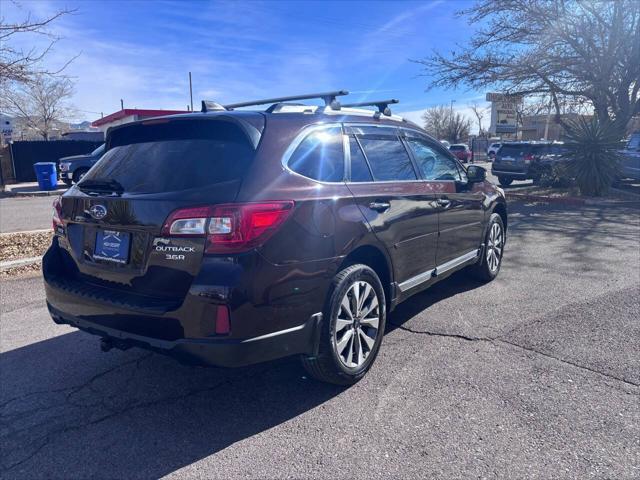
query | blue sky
(141,51)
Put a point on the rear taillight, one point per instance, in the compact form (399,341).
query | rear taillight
(229,228)
(57,213)
(528,158)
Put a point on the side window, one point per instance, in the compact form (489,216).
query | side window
(387,157)
(320,156)
(359,169)
(433,164)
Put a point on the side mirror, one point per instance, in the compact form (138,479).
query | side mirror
(476,174)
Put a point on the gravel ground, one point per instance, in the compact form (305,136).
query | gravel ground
(535,375)
(24,245)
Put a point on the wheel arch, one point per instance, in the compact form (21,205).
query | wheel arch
(374,258)
(501,209)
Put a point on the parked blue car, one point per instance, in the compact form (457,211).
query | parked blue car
(630,164)
(72,169)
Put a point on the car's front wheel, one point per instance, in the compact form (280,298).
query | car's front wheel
(490,261)
(505,181)
(79,173)
(352,327)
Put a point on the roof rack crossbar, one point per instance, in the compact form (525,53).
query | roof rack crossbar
(329,98)
(383,105)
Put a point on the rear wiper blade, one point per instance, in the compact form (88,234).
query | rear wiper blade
(101,186)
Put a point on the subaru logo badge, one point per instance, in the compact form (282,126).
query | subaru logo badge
(98,212)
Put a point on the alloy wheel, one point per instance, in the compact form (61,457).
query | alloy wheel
(494,247)
(357,324)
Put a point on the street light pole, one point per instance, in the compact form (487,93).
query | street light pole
(451,119)
(190,91)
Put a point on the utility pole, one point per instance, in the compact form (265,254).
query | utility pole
(121,104)
(451,121)
(190,91)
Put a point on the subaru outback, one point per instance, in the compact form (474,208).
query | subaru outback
(229,237)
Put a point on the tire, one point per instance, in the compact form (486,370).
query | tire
(344,358)
(490,261)
(78,174)
(505,181)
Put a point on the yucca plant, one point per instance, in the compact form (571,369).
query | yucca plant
(593,154)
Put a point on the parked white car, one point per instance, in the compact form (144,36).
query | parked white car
(493,149)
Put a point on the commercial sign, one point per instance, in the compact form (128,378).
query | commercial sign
(504,116)
(6,128)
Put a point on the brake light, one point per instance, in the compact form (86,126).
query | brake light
(229,228)
(57,213)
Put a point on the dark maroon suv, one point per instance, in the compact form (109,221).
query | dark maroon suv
(229,237)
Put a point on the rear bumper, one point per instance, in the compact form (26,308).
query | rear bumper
(510,173)
(266,323)
(301,339)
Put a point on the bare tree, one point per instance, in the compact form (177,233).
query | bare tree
(443,124)
(18,65)
(564,49)
(479,113)
(41,104)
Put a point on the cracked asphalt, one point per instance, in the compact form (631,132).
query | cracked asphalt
(535,375)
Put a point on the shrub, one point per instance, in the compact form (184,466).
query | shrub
(593,154)
(558,176)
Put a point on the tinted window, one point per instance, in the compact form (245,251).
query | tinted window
(174,156)
(444,169)
(425,156)
(514,150)
(457,147)
(388,158)
(359,169)
(320,156)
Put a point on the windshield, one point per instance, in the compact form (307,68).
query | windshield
(173,156)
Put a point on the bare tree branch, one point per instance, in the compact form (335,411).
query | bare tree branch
(585,50)
(18,65)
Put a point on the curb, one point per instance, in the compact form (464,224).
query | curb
(539,198)
(19,263)
(41,230)
(48,193)
(572,201)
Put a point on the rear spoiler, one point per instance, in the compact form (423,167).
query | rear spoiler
(252,130)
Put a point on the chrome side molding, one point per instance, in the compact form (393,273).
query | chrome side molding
(439,270)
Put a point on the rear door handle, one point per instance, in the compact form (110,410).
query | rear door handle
(379,206)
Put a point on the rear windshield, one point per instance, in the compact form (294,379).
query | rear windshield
(171,156)
(457,147)
(515,150)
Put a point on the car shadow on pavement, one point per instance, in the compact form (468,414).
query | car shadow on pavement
(69,411)
(66,409)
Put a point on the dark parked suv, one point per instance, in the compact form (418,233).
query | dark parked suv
(231,237)
(525,160)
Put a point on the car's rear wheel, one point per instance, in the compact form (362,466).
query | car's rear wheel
(79,173)
(352,328)
(488,265)
(505,181)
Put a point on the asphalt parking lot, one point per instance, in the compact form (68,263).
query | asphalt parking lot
(535,375)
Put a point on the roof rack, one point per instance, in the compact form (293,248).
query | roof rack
(383,106)
(329,98)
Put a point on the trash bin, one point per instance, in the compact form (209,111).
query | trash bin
(47,175)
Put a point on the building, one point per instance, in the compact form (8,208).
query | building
(127,115)
(544,127)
